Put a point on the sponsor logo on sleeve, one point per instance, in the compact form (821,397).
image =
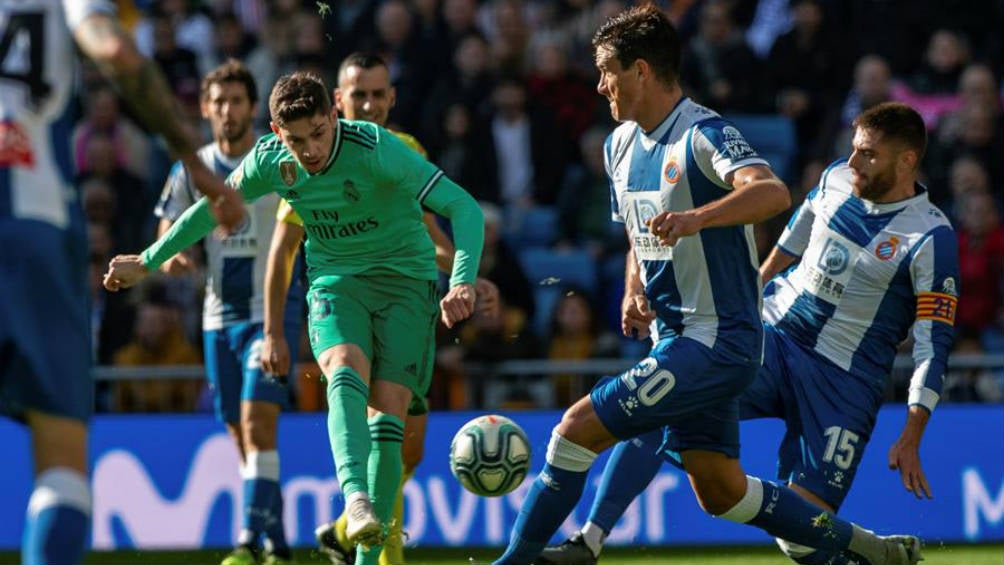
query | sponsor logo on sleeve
(735,145)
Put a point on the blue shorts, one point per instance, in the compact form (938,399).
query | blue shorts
(233,368)
(685,386)
(829,415)
(45,332)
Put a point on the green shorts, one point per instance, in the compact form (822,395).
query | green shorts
(392,319)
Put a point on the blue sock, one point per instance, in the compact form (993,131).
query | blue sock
(784,514)
(275,530)
(631,467)
(551,498)
(261,487)
(55,531)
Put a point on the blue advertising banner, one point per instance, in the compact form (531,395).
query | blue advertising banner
(173,482)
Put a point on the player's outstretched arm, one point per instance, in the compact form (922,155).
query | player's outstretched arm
(488,302)
(286,239)
(151,100)
(756,196)
(904,454)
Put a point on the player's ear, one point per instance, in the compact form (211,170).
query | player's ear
(336,95)
(392,96)
(204,108)
(642,69)
(275,129)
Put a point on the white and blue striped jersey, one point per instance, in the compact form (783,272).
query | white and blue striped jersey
(867,273)
(705,287)
(37,70)
(235,283)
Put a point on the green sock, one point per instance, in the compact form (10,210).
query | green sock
(385,468)
(350,440)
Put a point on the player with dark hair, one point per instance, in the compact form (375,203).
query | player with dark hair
(688,186)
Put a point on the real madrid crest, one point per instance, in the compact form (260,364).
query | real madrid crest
(287,170)
(350,191)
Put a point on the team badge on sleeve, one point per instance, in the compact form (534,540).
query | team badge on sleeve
(937,306)
(287,170)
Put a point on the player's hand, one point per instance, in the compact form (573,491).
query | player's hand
(226,204)
(458,304)
(180,264)
(669,227)
(905,456)
(636,317)
(489,304)
(229,210)
(275,355)
(125,271)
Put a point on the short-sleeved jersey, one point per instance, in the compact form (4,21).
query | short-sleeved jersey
(867,273)
(363,212)
(236,263)
(705,287)
(37,70)
(285,212)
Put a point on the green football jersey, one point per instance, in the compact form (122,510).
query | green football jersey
(363,211)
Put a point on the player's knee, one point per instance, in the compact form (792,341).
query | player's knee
(568,455)
(412,452)
(797,553)
(259,434)
(718,493)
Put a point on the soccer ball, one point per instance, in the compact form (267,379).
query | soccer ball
(490,455)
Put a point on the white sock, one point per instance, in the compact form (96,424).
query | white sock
(594,536)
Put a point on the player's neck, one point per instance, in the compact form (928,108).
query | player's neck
(659,104)
(907,188)
(238,147)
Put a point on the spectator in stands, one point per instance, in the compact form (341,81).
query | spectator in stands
(409,65)
(981,268)
(127,206)
(567,96)
(229,39)
(872,86)
(157,340)
(179,65)
(720,70)
(471,84)
(966,175)
(111,314)
(500,265)
(946,56)
(464,155)
(190,30)
(576,334)
(978,135)
(104,117)
(971,384)
(511,38)
(529,154)
(803,66)
(460,17)
(584,201)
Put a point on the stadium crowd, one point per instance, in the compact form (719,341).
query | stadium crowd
(502,94)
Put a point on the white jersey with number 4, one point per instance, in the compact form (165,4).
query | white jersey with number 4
(37,71)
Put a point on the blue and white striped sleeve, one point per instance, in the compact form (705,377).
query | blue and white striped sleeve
(795,237)
(720,149)
(615,209)
(177,195)
(934,270)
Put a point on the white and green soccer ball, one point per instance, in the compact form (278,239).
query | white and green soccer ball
(490,455)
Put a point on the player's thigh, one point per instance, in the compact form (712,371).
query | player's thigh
(682,381)
(823,448)
(765,396)
(404,331)
(45,335)
(340,313)
(223,373)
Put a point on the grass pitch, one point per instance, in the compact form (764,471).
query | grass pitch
(956,554)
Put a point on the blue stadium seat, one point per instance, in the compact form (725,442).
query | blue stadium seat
(550,272)
(534,227)
(773,137)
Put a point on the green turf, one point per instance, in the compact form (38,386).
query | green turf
(759,555)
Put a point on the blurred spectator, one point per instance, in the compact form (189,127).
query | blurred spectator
(111,314)
(103,116)
(126,208)
(189,30)
(872,85)
(946,56)
(460,17)
(471,84)
(971,385)
(511,38)
(464,155)
(803,65)
(966,176)
(230,39)
(571,99)
(347,25)
(577,29)
(584,202)
(576,334)
(274,53)
(179,64)
(771,19)
(720,70)
(500,265)
(157,340)
(977,88)
(976,135)
(411,72)
(981,262)
(530,156)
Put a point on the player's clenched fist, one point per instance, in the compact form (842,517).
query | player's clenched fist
(636,317)
(669,227)
(275,355)
(458,304)
(125,271)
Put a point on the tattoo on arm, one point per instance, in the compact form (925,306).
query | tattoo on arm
(137,79)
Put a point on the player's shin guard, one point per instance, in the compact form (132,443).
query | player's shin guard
(551,497)
(393,547)
(387,434)
(631,467)
(347,430)
(782,513)
(59,511)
